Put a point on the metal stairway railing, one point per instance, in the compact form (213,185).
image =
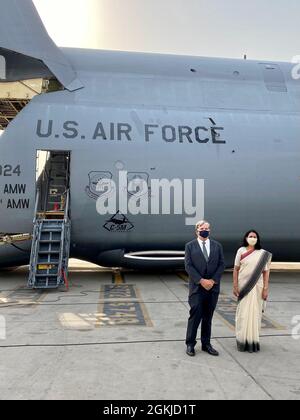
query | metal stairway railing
(50,249)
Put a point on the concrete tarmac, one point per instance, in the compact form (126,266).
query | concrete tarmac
(120,335)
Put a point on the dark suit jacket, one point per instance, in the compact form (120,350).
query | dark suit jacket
(197,267)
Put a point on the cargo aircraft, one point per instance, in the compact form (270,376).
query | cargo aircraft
(159,141)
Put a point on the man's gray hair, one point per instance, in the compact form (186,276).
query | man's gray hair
(201,223)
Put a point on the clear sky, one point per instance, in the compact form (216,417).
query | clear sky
(262,29)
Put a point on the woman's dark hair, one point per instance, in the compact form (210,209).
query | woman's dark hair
(245,243)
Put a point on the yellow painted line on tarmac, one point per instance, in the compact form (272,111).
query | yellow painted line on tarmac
(118,277)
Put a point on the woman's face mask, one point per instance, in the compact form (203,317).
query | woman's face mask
(252,241)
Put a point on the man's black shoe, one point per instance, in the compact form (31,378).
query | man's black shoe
(190,351)
(210,350)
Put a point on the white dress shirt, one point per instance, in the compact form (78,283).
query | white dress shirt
(207,243)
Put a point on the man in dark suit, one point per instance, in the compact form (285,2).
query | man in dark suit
(204,262)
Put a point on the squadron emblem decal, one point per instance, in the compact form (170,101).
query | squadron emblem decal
(94,179)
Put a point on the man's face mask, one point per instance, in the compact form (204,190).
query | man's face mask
(204,234)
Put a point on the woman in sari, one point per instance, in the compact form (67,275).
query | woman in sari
(251,287)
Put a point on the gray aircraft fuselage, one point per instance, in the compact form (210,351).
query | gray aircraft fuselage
(233,123)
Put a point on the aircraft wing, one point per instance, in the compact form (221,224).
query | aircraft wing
(28,50)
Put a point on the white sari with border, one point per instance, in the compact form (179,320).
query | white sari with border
(250,308)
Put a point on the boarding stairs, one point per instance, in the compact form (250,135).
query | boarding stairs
(51,232)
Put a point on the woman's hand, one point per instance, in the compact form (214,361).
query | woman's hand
(236,291)
(265,294)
